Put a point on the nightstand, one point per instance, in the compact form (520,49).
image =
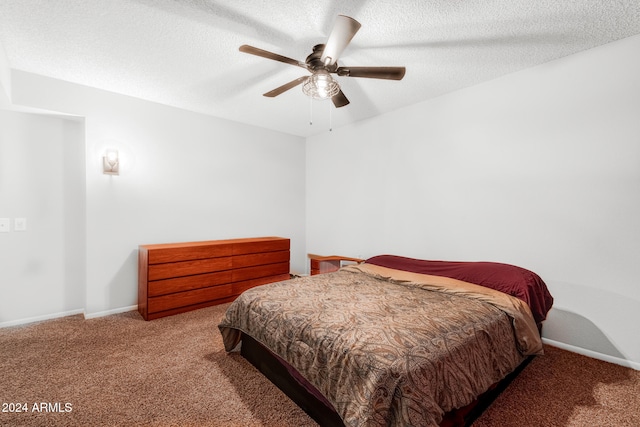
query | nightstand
(326,264)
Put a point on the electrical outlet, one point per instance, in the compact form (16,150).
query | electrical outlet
(4,225)
(20,224)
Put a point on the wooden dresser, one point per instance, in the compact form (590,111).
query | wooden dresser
(178,277)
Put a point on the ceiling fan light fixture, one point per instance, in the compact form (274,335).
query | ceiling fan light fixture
(321,85)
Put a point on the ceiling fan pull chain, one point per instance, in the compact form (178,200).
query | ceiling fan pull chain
(310,111)
(330,127)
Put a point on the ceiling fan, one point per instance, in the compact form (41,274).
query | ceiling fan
(323,62)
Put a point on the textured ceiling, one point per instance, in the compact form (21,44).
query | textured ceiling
(185,52)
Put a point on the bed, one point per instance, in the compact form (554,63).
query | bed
(393,341)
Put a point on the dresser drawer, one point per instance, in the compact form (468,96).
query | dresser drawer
(261,245)
(188,268)
(184,299)
(250,260)
(240,287)
(159,254)
(187,283)
(248,273)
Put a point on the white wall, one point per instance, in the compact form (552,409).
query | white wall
(540,168)
(5,78)
(183,177)
(42,180)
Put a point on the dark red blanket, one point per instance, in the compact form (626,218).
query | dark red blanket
(510,279)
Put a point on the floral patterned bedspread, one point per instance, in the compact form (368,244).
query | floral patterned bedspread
(384,352)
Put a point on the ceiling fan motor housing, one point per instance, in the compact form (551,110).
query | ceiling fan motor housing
(314,61)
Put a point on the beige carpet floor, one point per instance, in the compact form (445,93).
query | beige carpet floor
(122,371)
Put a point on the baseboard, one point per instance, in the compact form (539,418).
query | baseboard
(110,312)
(65,314)
(40,318)
(593,354)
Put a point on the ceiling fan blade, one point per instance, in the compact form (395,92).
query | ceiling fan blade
(387,73)
(343,31)
(339,100)
(285,87)
(270,55)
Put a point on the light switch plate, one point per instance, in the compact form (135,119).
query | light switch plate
(20,224)
(4,225)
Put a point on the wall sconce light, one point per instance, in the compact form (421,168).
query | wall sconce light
(111,163)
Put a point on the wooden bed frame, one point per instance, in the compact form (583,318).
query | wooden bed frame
(281,374)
